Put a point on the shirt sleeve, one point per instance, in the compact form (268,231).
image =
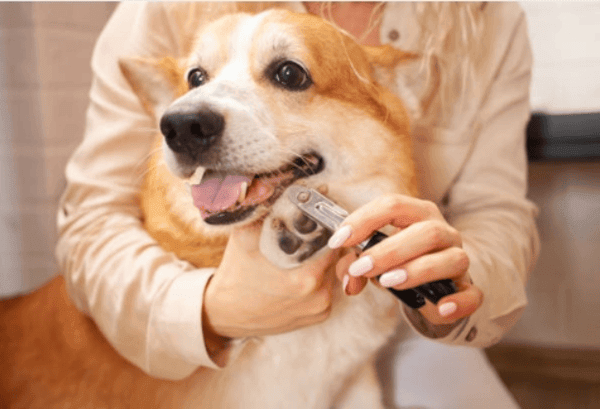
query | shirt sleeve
(146,302)
(488,205)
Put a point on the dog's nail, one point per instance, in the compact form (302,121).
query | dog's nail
(393,277)
(447,309)
(345,282)
(361,266)
(339,237)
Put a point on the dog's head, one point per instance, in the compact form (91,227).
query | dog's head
(269,100)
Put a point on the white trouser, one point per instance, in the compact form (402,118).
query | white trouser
(419,373)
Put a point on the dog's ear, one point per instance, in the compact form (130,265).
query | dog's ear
(390,67)
(157,83)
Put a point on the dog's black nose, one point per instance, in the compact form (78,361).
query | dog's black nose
(191,133)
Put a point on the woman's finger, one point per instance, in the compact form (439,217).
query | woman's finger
(453,307)
(414,241)
(451,262)
(351,285)
(341,267)
(354,285)
(396,210)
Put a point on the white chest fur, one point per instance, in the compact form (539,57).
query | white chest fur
(306,368)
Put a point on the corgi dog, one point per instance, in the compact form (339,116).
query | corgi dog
(263,102)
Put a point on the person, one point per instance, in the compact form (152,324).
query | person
(473,223)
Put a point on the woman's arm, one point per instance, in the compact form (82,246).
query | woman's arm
(488,203)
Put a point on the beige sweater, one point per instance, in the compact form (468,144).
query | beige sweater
(148,303)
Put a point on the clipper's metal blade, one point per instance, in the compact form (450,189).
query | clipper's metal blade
(317,207)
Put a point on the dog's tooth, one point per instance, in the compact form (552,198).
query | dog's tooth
(243,191)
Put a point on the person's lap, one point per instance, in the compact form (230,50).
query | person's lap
(420,373)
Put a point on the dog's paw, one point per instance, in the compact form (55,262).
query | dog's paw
(289,237)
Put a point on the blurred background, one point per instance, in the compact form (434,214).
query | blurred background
(45,52)
(551,358)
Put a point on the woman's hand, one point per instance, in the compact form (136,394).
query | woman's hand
(249,296)
(424,249)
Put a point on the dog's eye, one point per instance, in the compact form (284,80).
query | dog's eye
(196,77)
(291,76)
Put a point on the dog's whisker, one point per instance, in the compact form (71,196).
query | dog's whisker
(298,157)
(304,161)
(153,130)
(145,165)
(150,154)
(144,161)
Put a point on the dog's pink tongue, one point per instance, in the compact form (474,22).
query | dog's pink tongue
(218,192)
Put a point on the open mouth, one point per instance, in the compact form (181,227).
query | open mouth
(226,198)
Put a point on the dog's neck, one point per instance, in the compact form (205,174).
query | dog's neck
(357,18)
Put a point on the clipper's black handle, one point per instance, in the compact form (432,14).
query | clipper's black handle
(415,297)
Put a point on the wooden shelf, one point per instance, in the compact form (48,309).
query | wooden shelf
(548,378)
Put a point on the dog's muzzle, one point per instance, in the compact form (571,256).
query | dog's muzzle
(227,196)
(189,132)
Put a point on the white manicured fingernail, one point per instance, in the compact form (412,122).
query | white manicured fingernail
(447,309)
(345,282)
(361,266)
(339,237)
(393,277)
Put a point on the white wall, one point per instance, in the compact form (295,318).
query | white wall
(565,37)
(45,50)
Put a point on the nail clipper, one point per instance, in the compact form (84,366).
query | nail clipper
(329,215)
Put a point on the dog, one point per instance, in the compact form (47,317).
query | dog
(263,102)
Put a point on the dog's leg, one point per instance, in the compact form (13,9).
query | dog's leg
(363,391)
(289,237)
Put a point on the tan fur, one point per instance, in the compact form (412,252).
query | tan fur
(52,356)
(168,227)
